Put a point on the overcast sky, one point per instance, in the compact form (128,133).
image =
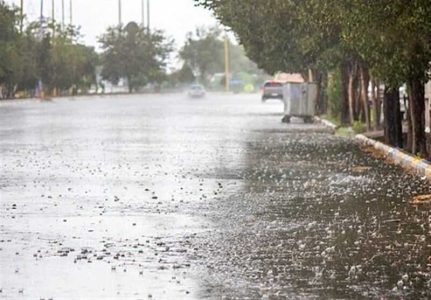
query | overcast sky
(176,17)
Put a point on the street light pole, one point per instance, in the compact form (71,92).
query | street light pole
(40,83)
(148,15)
(143,13)
(21,16)
(41,11)
(53,11)
(119,13)
(62,14)
(71,13)
(226,63)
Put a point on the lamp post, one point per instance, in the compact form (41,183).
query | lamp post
(226,63)
(143,13)
(62,14)
(71,12)
(21,16)
(148,15)
(119,13)
(40,83)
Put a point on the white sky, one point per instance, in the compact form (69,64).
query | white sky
(175,17)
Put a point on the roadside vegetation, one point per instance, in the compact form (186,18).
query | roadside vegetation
(345,46)
(42,57)
(45,59)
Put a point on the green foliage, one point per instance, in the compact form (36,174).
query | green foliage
(279,35)
(391,37)
(182,76)
(8,39)
(135,54)
(359,127)
(43,51)
(203,52)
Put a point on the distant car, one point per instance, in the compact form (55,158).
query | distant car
(272,89)
(196,91)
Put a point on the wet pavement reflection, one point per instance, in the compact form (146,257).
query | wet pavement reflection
(166,197)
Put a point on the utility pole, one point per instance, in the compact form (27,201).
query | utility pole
(71,13)
(21,16)
(53,17)
(148,15)
(41,20)
(53,11)
(226,63)
(40,83)
(119,14)
(41,11)
(143,13)
(62,14)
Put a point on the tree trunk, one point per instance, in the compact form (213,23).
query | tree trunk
(359,113)
(376,104)
(344,93)
(365,79)
(409,143)
(320,105)
(417,115)
(392,118)
(129,84)
(351,95)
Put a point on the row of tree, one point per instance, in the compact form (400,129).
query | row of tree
(45,57)
(140,56)
(355,43)
(42,56)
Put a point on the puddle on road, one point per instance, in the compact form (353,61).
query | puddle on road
(138,197)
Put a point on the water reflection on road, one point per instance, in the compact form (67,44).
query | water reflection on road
(170,198)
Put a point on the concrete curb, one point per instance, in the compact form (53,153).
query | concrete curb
(326,123)
(421,166)
(407,161)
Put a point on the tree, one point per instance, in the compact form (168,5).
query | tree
(135,54)
(183,76)
(8,46)
(386,40)
(42,51)
(73,64)
(203,52)
(394,37)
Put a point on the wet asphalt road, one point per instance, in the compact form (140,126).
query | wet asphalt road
(165,197)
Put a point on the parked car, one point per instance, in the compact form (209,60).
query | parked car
(196,91)
(272,89)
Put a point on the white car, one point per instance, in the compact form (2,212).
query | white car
(272,89)
(196,91)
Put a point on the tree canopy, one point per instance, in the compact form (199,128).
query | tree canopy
(43,51)
(389,40)
(134,53)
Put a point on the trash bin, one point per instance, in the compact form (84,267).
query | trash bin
(299,101)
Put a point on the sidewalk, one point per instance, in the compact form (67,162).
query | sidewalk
(397,156)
